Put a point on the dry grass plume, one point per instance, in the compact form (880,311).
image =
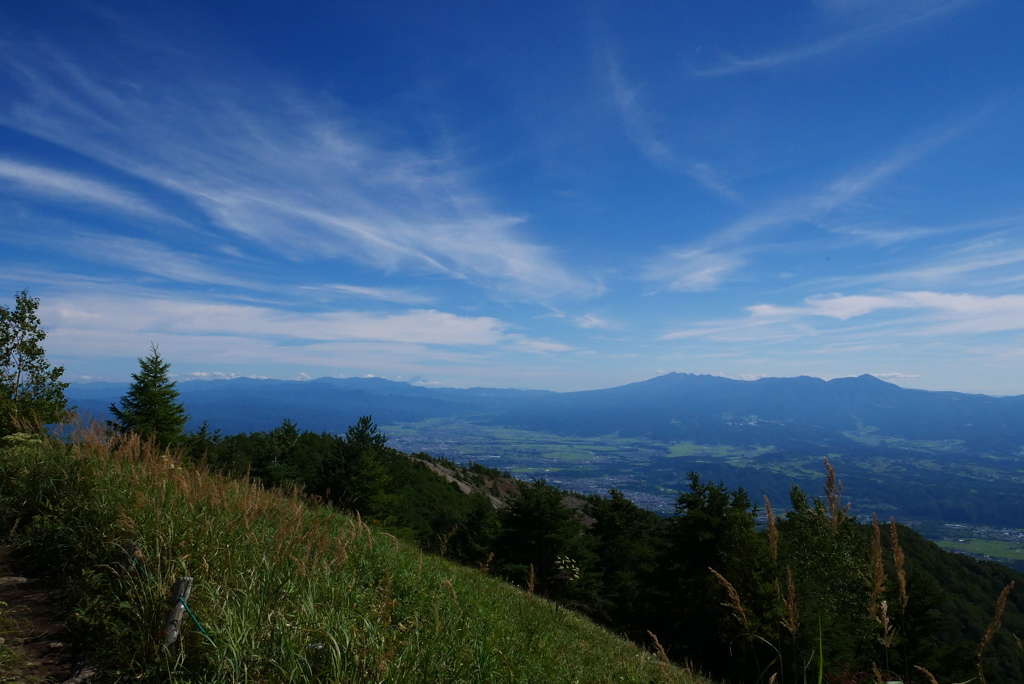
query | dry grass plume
(878,581)
(993,628)
(792,621)
(773,530)
(734,598)
(834,494)
(899,559)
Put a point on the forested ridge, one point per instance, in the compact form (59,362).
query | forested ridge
(707,584)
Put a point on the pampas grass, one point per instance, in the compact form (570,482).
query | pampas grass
(837,513)
(878,581)
(993,628)
(734,603)
(773,529)
(898,560)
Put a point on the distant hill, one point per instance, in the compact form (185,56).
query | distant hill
(842,414)
(779,411)
(326,404)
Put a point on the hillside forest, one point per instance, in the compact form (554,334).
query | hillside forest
(739,602)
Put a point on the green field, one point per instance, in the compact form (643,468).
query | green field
(733,453)
(986,547)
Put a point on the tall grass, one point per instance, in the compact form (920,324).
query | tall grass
(285,590)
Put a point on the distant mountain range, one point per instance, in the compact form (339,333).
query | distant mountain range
(836,415)
(936,457)
(325,404)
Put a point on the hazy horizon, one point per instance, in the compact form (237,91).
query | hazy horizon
(419,382)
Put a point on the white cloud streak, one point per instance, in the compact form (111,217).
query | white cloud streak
(149,257)
(954,313)
(384,294)
(880,319)
(987,257)
(694,270)
(636,121)
(105,320)
(704,266)
(184,317)
(993,259)
(535,346)
(894,16)
(288,174)
(590,321)
(883,235)
(69,187)
(639,127)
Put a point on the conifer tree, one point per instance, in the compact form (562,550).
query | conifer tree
(355,475)
(150,408)
(30,390)
(538,528)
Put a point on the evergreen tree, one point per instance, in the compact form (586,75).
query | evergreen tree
(30,390)
(630,541)
(714,531)
(355,475)
(828,556)
(150,408)
(536,529)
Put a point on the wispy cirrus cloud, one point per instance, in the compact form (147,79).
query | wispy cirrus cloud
(705,265)
(111,319)
(866,321)
(697,269)
(294,176)
(951,313)
(155,260)
(591,321)
(150,257)
(639,126)
(888,234)
(539,346)
(991,259)
(588,321)
(383,294)
(54,184)
(876,20)
(175,265)
(636,120)
(195,317)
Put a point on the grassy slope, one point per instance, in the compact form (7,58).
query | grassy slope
(287,591)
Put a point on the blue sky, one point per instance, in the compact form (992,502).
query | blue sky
(548,195)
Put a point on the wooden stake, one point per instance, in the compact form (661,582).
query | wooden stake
(172,628)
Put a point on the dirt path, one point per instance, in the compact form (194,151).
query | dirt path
(39,647)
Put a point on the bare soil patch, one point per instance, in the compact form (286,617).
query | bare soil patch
(39,648)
